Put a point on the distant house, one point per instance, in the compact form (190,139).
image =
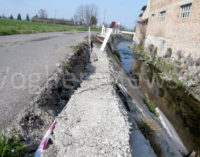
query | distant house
(173,24)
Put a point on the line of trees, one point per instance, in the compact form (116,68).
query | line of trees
(41,13)
(86,15)
(11,17)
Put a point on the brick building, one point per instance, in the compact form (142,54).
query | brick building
(172,24)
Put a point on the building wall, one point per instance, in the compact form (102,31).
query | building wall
(180,34)
(140,32)
(141,26)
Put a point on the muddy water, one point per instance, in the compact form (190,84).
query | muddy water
(181,109)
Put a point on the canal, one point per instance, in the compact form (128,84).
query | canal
(178,106)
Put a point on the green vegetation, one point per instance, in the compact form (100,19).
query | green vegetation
(19,17)
(117,54)
(112,61)
(179,83)
(9,27)
(169,53)
(139,50)
(27,18)
(74,48)
(164,67)
(188,78)
(10,146)
(152,107)
(77,47)
(11,17)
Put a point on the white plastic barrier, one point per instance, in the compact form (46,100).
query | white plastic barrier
(109,32)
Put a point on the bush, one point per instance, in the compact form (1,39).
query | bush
(10,146)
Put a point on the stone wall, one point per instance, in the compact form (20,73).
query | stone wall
(179,34)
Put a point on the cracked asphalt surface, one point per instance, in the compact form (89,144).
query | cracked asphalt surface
(26,61)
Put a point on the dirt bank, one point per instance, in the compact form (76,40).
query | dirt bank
(40,113)
(158,81)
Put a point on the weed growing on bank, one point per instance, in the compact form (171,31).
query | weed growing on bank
(152,107)
(112,61)
(10,146)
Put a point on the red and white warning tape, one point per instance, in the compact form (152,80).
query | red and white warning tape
(95,87)
(43,144)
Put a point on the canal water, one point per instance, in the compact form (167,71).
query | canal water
(180,108)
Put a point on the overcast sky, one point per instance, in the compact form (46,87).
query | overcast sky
(123,11)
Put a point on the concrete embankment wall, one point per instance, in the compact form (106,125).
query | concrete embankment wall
(95,121)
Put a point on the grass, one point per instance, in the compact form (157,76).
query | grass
(10,27)
(10,146)
(152,107)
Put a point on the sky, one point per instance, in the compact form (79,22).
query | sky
(124,11)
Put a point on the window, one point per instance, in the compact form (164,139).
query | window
(185,10)
(162,15)
(153,15)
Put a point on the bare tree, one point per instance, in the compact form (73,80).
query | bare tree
(85,13)
(42,13)
(79,15)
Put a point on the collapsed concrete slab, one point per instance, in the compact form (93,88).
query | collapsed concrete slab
(95,121)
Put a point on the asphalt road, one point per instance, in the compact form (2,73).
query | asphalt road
(26,61)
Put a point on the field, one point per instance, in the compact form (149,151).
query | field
(9,27)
